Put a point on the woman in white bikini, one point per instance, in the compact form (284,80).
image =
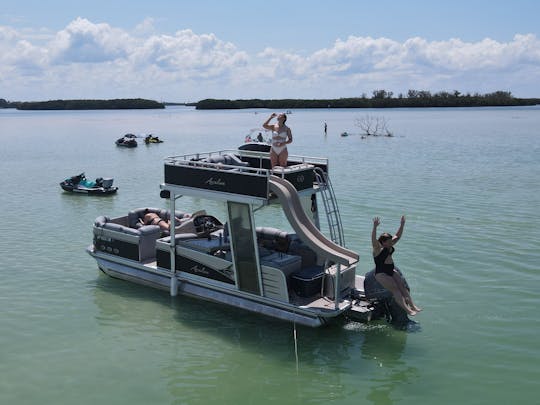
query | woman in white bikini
(281,136)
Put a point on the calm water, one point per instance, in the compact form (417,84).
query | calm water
(467,179)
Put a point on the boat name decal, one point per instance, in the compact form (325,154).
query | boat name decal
(196,269)
(215,182)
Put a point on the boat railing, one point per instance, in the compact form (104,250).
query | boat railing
(203,160)
(235,175)
(294,159)
(200,160)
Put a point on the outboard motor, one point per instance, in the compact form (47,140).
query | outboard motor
(387,305)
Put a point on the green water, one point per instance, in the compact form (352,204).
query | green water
(467,180)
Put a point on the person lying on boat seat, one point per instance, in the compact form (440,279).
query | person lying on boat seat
(152,218)
(227,159)
(136,217)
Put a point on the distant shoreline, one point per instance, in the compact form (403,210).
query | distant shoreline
(380,99)
(115,104)
(414,100)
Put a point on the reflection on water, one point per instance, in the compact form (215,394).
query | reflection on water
(385,346)
(182,328)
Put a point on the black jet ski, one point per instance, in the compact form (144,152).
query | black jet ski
(128,141)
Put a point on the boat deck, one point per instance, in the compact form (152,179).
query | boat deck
(236,175)
(320,303)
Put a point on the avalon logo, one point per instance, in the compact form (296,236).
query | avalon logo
(199,270)
(215,182)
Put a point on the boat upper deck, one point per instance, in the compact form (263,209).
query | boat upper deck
(236,175)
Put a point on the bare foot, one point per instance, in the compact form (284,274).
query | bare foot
(417,309)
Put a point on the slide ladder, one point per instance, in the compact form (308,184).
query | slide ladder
(330,206)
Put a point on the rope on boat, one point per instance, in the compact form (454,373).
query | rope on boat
(296,348)
(295,341)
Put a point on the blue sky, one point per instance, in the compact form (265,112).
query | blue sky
(190,50)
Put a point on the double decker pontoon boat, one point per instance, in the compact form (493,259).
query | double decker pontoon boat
(301,276)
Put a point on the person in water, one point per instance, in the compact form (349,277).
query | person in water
(385,272)
(281,137)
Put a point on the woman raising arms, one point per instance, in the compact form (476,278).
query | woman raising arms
(385,272)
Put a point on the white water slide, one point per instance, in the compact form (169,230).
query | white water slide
(305,228)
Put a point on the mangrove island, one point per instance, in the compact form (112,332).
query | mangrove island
(379,99)
(116,104)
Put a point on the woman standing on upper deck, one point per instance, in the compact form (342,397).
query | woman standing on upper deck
(281,136)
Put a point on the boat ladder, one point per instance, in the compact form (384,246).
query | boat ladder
(330,206)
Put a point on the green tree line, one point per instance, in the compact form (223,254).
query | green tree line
(379,99)
(115,104)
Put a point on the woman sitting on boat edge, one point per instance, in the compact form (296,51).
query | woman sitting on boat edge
(385,272)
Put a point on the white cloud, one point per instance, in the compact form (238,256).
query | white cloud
(86,42)
(188,55)
(146,27)
(96,60)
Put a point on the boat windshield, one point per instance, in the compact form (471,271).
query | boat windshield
(243,244)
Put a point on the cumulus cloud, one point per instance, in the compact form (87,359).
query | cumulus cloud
(188,54)
(101,61)
(85,42)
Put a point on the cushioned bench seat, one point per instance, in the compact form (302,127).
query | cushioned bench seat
(110,236)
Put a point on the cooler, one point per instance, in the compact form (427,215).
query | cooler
(308,281)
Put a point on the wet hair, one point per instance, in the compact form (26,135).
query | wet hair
(384,237)
(285,117)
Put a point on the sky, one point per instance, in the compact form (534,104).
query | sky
(186,51)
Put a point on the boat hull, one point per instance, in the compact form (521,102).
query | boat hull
(87,190)
(161,279)
(126,144)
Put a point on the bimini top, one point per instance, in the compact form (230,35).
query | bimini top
(236,175)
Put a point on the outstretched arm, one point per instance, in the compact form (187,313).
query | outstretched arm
(399,232)
(374,242)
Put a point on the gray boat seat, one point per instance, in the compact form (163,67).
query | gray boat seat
(144,238)
(299,248)
(273,238)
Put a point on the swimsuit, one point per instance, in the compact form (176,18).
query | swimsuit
(381,266)
(158,221)
(279,137)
